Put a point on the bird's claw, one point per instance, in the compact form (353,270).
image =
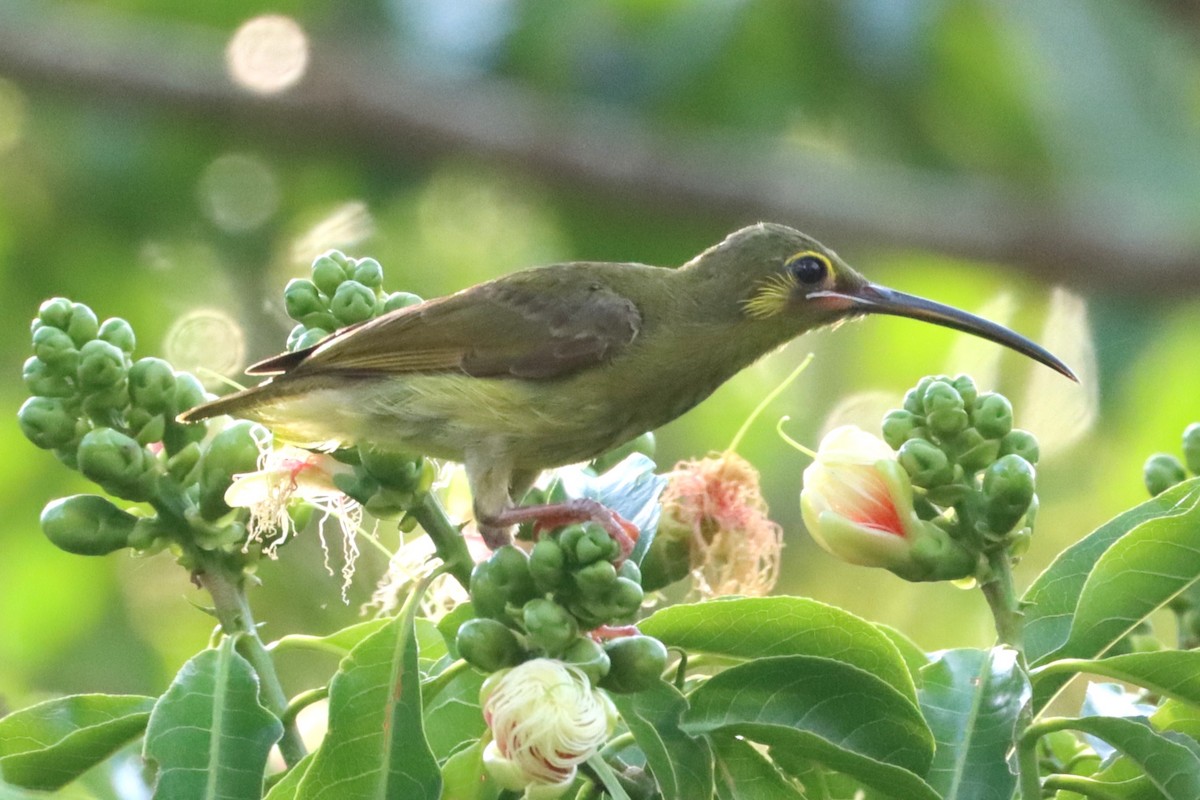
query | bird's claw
(555,515)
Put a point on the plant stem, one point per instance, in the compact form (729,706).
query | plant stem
(447,538)
(228,592)
(1002,599)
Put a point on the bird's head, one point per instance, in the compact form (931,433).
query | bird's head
(783,278)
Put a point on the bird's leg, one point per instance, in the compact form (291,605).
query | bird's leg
(554,515)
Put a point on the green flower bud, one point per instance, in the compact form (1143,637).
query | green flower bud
(189,392)
(368,272)
(992,416)
(626,597)
(352,303)
(293,339)
(596,579)
(1021,443)
(589,657)
(547,564)
(944,411)
(46,422)
(112,459)
(151,430)
(87,525)
(974,451)
(180,465)
(55,312)
(1161,472)
(965,386)
(913,403)
(397,300)
(1191,447)
(233,451)
(1008,487)
(630,571)
(396,469)
(152,386)
(328,271)
(119,333)
(487,645)
(488,595)
(925,463)
(43,381)
(568,539)
(898,427)
(301,298)
(310,338)
(56,348)
(636,663)
(548,625)
(643,444)
(595,545)
(101,365)
(83,325)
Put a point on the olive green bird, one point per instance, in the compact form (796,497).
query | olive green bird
(558,364)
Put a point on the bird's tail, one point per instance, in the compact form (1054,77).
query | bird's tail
(236,404)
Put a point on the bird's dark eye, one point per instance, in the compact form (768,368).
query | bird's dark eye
(809,268)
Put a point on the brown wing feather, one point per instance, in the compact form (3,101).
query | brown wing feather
(541,323)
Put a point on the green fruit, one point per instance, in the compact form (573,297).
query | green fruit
(637,663)
(488,595)
(625,597)
(487,644)
(87,525)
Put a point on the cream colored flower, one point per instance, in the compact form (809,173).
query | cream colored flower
(545,719)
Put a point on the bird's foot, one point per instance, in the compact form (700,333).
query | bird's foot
(606,632)
(555,515)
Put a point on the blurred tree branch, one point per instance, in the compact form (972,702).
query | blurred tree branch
(402,112)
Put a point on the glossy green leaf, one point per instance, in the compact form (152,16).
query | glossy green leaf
(287,786)
(754,627)
(339,642)
(1179,717)
(1052,600)
(375,748)
(48,745)
(1139,572)
(1173,673)
(1169,761)
(971,700)
(682,765)
(828,711)
(742,771)
(209,736)
(914,657)
(464,778)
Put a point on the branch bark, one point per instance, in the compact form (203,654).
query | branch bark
(400,112)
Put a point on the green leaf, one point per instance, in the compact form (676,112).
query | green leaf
(339,642)
(742,771)
(376,746)
(464,777)
(828,711)
(1173,673)
(914,657)
(971,700)
(754,627)
(1170,764)
(209,736)
(289,784)
(48,745)
(682,765)
(1136,574)
(453,715)
(1052,600)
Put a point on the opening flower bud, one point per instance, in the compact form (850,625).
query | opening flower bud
(857,503)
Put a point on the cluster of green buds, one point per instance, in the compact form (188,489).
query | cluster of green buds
(1163,470)
(953,484)
(343,291)
(114,419)
(546,602)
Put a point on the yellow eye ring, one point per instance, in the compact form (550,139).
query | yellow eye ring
(809,268)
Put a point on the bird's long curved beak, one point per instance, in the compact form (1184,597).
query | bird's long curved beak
(875,299)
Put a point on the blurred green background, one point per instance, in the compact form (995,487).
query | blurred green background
(174,163)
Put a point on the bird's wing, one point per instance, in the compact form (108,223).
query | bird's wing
(538,324)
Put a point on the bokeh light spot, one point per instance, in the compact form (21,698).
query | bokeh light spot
(238,192)
(267,54)
(208,343)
